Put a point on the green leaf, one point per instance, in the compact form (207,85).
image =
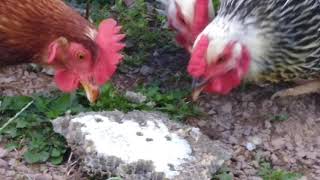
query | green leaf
(21,123)
(36,157)
(223,176)
(41,103)
(56,160)
(280,117)
(59,106)
(14,102)
(11,132)
(55,153)
(268,173)
(11,146)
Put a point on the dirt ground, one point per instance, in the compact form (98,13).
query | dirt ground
(285,131)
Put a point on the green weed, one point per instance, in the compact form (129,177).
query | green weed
(268,173)
(143,28)
(33,129)
(280,118)
(223,174)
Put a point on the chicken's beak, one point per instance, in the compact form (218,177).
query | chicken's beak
(197,88)
(92,91)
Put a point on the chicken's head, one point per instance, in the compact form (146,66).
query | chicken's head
(217,67)
(77,65)
(189,18)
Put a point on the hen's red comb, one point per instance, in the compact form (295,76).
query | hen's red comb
(198,63)
(109,42)
(201,16)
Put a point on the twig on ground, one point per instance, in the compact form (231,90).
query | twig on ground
(15,116)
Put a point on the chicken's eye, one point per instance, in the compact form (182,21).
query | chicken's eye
(221,59)
(181,19)
(80,56)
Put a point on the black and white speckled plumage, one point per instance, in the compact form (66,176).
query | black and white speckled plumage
(289,29)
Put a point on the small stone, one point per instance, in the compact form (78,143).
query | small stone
(149,139)
(267,104)
(139,133)
(22,169)
(250,172)
(274,158)
(43,177)
(254,178)
(151,104)
(318,140)
(195,133)
(298,140)
(3,164)
(202,123)
(3,152)
(57,177)
(278,143)
(303,178)
(255,164)
(155,54)
(267,124)
(250,146)
(10,173)
(12,162)
(241,158)
(227,108)
(233,140)
(2,171)
(238,149)
(8,79)
(48,71)
(44,168)
(146,70)
(168,138)
(135,97)
(212,112)
(301,153)
(129,3)
(289,146)
(312,155)
(255,140)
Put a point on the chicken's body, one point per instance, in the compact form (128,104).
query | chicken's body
(50,33)
(282,38)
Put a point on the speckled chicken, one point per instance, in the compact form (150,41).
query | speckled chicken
(188,18)
(260,41)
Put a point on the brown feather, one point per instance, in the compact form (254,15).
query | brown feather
(27,27)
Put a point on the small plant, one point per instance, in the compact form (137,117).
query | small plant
(223,174)
(280,118)
(32,128)
(268,173)
(111,99)
(173,102)
(143,28)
